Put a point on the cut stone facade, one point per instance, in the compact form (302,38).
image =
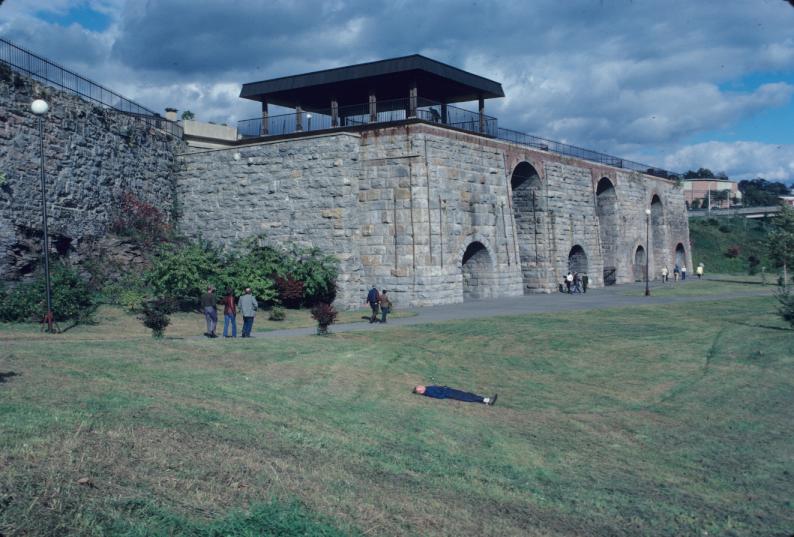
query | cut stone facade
(432,214)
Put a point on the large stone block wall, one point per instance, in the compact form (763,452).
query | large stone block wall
(429,213)
(92,156)
(301,191)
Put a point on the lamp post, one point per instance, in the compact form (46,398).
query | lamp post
(40,107)
(647,249)
(309,122)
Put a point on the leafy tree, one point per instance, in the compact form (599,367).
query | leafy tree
(704,173)
(781,240)
(760,192)
(188,115)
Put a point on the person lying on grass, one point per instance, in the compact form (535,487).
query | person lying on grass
(445,392)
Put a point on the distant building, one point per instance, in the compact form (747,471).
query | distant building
(698,189)
(787,200)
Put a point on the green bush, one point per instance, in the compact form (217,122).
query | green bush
(247,271)
(277,314)
(318,272)
(786,308)
(182,273)
(154,314)
(72,300)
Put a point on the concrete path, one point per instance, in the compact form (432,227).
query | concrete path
(608,297)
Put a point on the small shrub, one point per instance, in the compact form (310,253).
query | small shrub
(154,315)
(725,229)
(786,308)
(290,291)
(277,314)
(325,315)
(140,220)
(752,264)
(733,251)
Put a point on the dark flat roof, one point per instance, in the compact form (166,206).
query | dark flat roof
(390,79)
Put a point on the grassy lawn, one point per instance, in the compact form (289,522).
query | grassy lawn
(673,420)
(712,284)
(113,323)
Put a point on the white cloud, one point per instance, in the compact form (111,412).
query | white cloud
(626,77)
(742,160)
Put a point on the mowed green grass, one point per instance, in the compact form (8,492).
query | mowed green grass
(673,420)
(711,284)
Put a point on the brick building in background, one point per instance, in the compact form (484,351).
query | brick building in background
(698,189)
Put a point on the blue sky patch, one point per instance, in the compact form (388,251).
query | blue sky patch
(82,15)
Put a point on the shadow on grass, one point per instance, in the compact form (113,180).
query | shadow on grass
(4,376)
(767,326)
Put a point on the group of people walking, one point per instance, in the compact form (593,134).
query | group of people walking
(378,302)
(246,304)
(574,282)
(679,272)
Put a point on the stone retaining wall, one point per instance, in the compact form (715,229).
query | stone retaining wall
(92,156)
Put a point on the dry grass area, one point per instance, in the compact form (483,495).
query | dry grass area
(670,420)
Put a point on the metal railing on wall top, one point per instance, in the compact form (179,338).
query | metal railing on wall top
(52,74)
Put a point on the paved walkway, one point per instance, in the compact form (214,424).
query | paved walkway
(608,297)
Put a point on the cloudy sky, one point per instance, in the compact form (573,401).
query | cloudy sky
(678,83)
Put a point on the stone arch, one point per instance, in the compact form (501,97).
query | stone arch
(640,258)
(478,271)
(680,255)
(529,205)
(577,260)
(657,245)
(608,226)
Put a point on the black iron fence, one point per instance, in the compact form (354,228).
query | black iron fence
(360,114)
(451,116)
(51,74)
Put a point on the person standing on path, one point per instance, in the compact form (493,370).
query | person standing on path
(676,272)
(373,299)
(247,306)
(585,282)
(568,282)
(683,272)
(664,274)
(229,313)
(577,283)
(699,271)
(445,392)
(209,306)
(385,305)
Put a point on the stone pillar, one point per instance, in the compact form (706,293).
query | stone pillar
(482,113)
(412,99)
(170,114)
(265,127)
(298,118)
(334,112)
(373,107)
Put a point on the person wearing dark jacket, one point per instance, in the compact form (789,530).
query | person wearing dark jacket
(373,299)
(229,313)
(209,307)
(445,392)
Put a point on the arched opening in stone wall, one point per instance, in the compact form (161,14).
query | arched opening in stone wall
(658,256)
(680,255)
(607,211)
(577,260)
(528,208)
(639,264)
(478,272)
